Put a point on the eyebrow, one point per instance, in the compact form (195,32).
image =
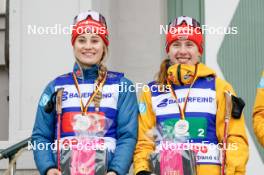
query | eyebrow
(81,37)
(95,36)
(188,41)
(92,37)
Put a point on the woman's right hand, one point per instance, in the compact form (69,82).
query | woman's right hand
(53,171)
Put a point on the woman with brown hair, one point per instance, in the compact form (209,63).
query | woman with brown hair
(187,103)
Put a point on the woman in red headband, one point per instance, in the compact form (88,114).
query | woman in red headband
(187,102)
(91,115)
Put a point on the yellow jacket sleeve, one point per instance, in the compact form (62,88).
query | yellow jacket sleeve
(237,150)
(258,112)
(147,123)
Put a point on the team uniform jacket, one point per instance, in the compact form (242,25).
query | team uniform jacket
(205,112)
(258,114)
(120,107)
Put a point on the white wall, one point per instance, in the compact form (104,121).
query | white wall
(136,46)
(2,6)
(35,59)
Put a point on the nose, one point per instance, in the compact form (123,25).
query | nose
(88,45)
(182,50)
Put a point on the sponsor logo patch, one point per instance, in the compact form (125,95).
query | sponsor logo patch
(163,103)
(44,100)
(142,108)
(69,95)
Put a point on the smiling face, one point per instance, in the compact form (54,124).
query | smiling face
(184,52)
(88,49)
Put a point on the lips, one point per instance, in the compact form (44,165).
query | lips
(88,54)
(183,59)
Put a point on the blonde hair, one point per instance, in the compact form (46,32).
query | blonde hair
(101,74)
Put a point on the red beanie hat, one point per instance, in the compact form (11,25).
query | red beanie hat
(90,22)
(185,28)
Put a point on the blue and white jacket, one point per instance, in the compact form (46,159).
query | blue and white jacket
(119,106)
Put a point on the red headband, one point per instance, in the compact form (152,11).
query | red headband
(185,32)
(90,26)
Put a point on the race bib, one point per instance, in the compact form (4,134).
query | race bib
(197,127)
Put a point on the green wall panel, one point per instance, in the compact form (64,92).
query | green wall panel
(241,56)
(192,8)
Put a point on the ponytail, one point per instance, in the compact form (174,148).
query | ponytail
(98,97)
(162,74)
(101,74)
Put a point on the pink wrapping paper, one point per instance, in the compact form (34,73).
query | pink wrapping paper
(171,162)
